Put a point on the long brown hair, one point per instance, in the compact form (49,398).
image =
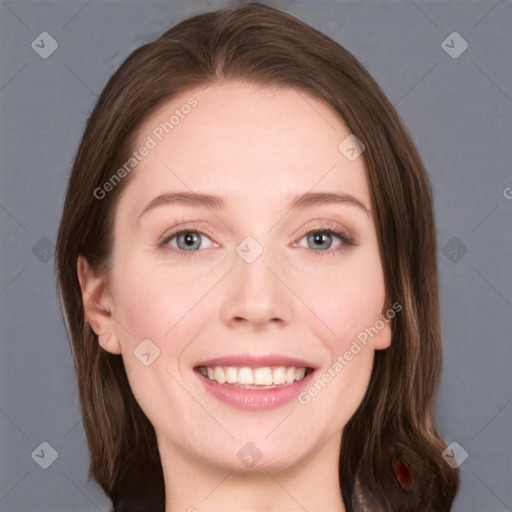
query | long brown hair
(258,44)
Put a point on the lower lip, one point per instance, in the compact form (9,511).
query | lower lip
(254,399)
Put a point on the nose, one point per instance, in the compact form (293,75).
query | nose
(256,294)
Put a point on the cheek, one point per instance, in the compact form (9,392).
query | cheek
(157,305)
(152,301)
(142,305)
(350,303)
(350,299)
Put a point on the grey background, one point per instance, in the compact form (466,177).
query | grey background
(459,112)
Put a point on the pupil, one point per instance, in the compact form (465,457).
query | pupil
(190,239)
(320,238)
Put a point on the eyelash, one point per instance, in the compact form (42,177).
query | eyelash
(183,254)
(330,228)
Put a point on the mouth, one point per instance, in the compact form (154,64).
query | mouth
(254,382)
(263,377)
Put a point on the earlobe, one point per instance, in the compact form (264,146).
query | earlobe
(110,343)
(383,339)
(383,324)
(98,306)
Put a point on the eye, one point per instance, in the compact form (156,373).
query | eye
(186,240)
(326,240)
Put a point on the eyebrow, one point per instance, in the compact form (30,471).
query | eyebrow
(213,202)
(318,198)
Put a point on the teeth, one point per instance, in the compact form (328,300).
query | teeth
(290,374)
(231,374)
(219,375)
(263,376)
(245,376)
(299,373)
(279,376)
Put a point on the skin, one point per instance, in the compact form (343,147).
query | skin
(256,147)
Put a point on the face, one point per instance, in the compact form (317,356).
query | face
(245,272)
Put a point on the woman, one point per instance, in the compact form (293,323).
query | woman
(247,265)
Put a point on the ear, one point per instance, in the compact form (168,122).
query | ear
(383,323)
(98,306)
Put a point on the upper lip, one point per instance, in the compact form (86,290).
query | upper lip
(256,361)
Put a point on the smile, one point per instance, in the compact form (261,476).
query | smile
(254,382)
(265,377)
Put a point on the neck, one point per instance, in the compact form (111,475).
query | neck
(195,485)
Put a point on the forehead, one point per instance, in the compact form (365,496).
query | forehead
(239,139)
